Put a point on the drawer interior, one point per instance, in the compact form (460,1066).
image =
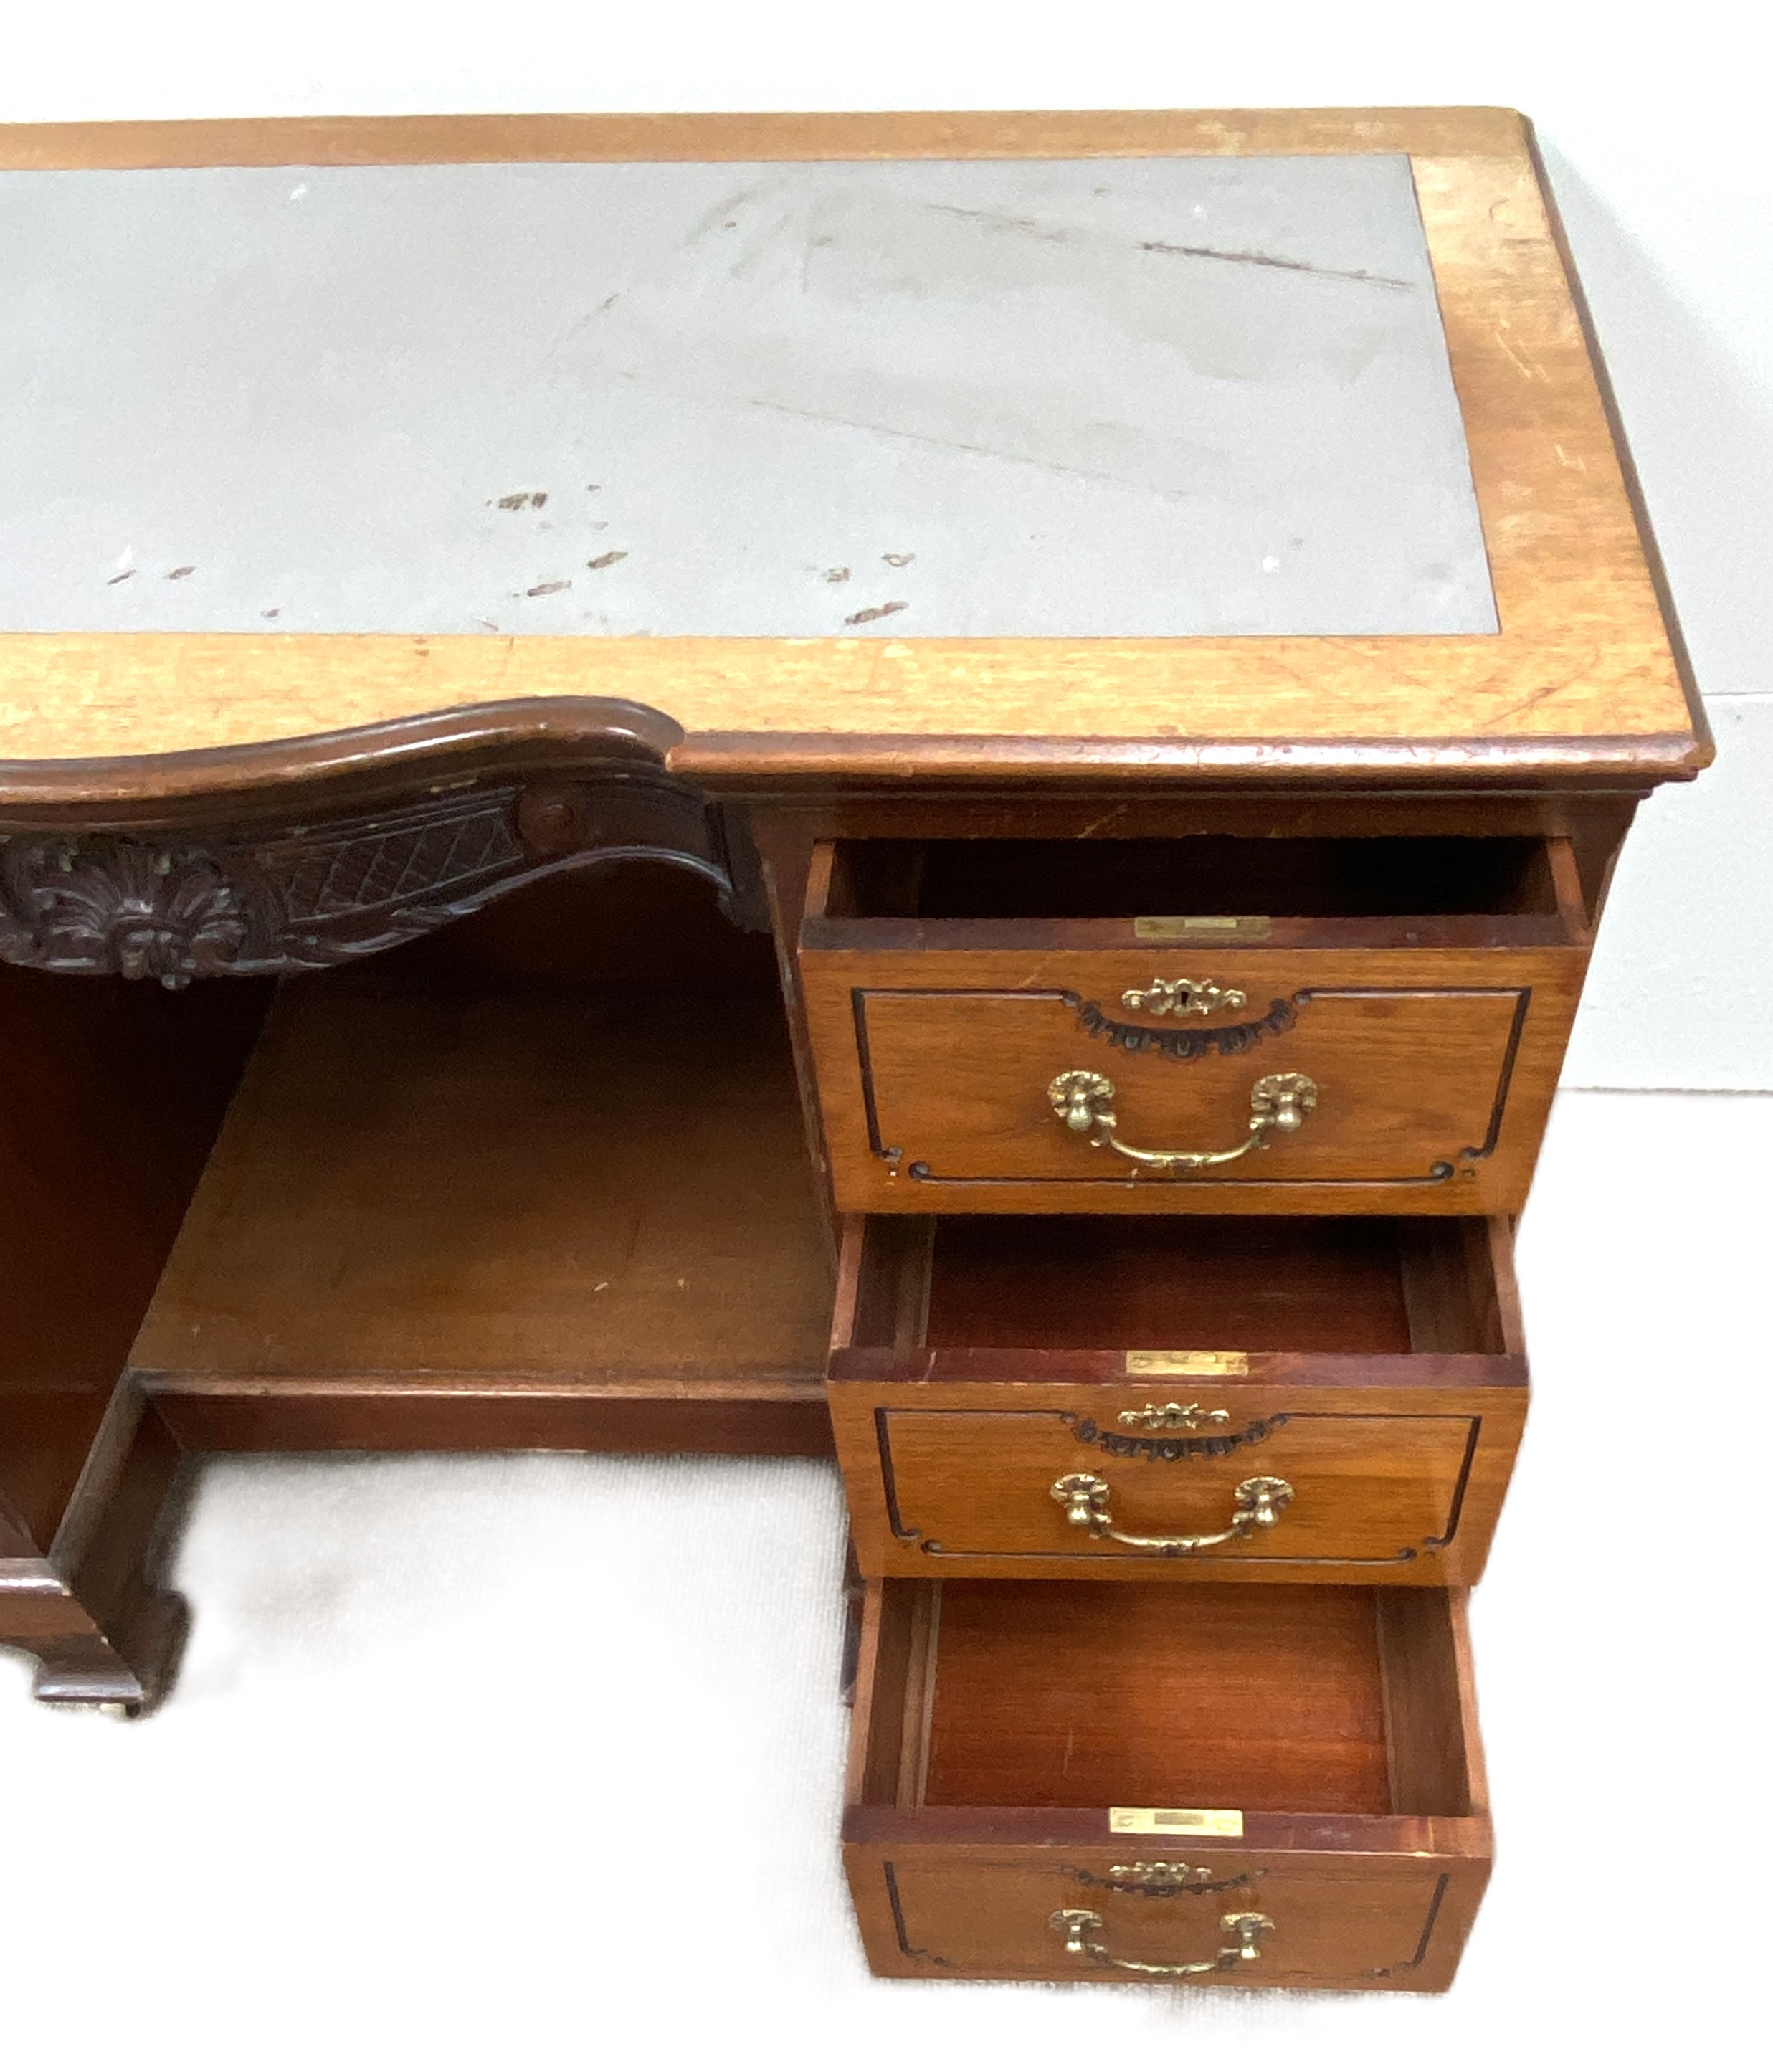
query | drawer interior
(1251,1284)
(1312,1699)
(1202,874)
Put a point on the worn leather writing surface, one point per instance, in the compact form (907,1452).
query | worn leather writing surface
(1137,397)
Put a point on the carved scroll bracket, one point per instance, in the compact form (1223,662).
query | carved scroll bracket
(274,900)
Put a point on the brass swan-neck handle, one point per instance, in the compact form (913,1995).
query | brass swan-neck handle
(1082,1931)
(1084,1102)
(1255,1506)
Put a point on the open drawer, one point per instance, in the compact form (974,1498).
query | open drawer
(1275,1399)
(1210,1785)
(1217,1023)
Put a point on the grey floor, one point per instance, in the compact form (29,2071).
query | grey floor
(537,1760)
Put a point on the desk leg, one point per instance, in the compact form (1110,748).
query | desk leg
(92,1610)
(111,1093)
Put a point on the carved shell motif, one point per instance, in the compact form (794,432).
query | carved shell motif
(123,906)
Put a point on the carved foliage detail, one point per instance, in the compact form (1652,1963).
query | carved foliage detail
(301,899)
(109,905)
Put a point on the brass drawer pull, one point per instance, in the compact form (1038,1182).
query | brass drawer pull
(1084,1101)
(1257,1504)
(1082,1932)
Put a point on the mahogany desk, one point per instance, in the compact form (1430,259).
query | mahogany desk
(935,784)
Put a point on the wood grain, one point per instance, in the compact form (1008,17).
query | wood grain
(110,1095)
(1425,1715)
(1259,1284)
(1401,1478)
(1581,684)
(1312,1285)
(474,1173)
(1048,1695)
(1350,1924)
(393,140)
(1435,1069)
(921,809)
(251,781)
(491,1414)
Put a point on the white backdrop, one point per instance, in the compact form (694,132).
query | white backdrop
(1654,127)
(531,1763)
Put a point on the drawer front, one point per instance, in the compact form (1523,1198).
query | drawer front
(1426,1077)
(1014,1914)
(1391,1483)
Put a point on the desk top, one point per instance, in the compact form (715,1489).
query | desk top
(857,446)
